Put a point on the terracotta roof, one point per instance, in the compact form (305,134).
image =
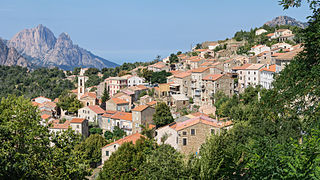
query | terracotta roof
(276,54)
(204,120)
(289,55)
(89,94)
(140,108)
(142,87)
(175,72)
(45,116)
(212,77)
(182,75)
(152,103)
(200,69)
(56,100)
(131,138)
(122,116)
(241,67)
(197,114)
(201,50)
(213,44)
(110,112)
(119,101)
(107,115)
(270,34)
(57,125)
(272,68)
(35,104)
(77,120)
(97,109)
(49,104)
(151,126)
(207,63)
(74,91)
(261,54)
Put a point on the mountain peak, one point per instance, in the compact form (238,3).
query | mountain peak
(42,48)
(286,20)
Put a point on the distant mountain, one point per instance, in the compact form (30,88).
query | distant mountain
(286,20)
(10,56)
(42,48)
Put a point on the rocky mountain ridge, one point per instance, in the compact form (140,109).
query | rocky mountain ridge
(10,56)
(286,20)
(42,48)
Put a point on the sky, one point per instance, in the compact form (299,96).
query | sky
(139,30)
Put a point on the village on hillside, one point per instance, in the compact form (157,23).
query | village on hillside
(195,78)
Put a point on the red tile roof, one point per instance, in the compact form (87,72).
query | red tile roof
(89,94)
(119,101)
(204,120)
(152,103)
(122,116)
(182,75)
(97,109)
(131,138)
(77,120)
(140,108)
(45,116)
(212,77)
(200,69)
(272,68)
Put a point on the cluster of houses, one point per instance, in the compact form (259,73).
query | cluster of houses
(194,80)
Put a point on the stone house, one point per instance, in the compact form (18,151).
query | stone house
(105,122)
(214,83)
(285,58)
(190,134)
(123,120)
(107,150)
(92,113)
(117,104)
(196,83)
(179,101)
(80,125)
(89,98)
(183,79)
(142,115)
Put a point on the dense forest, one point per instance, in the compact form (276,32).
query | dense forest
(40,82)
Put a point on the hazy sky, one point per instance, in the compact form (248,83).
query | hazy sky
(138,30)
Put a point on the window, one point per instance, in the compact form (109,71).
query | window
(193,132)
(254,73)
(184,133)
(240,72)
(107,153)
(254,78)
(249,72)
(77,126)
(249,79)
(115,146)
(184,141)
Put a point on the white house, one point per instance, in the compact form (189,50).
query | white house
(249,75)
(259,49)
(260,31)
(266,76)
(41,99)
(213,45)
(133,80)
(92,113)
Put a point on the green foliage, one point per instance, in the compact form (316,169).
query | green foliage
(143,93)
(118,133)
(76,71)
(159,77)
(173,58)
(162,116)
(40,82)
(91,148)
(163,163)
(95,130)
(29,151)
(105,97)
(93,80)
(126,162)
(108,135)
(69,102)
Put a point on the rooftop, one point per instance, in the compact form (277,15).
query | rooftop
(131,138)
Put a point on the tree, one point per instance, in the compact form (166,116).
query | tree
(126,162)
(173,58)
(162,116)
(118,133)
(95,130)
(108,135)
(163,163)
(91,148)
(105,97)
(69,102)
(23,153)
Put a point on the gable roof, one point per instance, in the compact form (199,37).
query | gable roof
(122,116)
(119,101)
(131,138)
(182,74)
(45,116)
(204,120)
(97,109)
(289,55)
(140,108)
(212,77)
(200,69)
(272,68)
(89,94)
(151,103)
(77,120)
